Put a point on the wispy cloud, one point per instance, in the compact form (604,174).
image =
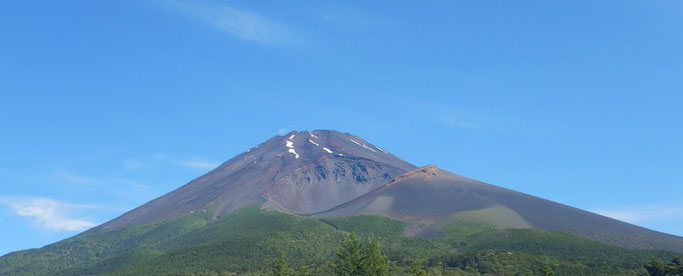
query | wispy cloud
(284,130)
(348,18)
(163,159)
(240,23)
(198,164)
(92,181)
(452,117)
(639,214)
(49,214)
(195,162)
(132,164)
(446,115)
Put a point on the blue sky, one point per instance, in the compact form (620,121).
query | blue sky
(105,105)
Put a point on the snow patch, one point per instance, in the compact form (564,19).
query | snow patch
(292,137)
(384,151)
(313,135)
(363,145)
(294,152)
(327,150)
(290,144)
(313,142)
(369,148)
(341,154)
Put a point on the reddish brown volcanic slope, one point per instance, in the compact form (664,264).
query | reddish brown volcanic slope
(301,172)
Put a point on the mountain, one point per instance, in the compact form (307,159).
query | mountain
(300,172)
(304,192)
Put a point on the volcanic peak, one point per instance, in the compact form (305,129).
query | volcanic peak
(300,172)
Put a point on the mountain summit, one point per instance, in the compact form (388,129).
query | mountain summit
(300,172)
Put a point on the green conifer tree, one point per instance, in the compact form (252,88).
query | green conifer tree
(675,267)
(281,266)
(374,263)
(349,258)
(418,269)
(355,258)
(655,267)
(302,270)
(546,270)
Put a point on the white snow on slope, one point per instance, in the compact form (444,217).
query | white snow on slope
(290,144)
(384,151)
(313,135)
(362,145)
(369,148)
(294,152)
(313,142)
(327,150)
(292,137)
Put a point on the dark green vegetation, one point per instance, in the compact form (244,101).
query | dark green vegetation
(354,258)
(251,241)
(656,268)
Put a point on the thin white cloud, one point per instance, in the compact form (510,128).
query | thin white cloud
(453,117)
(198,164)
(640,214)
(163,159)
(347,18)
(132,164)
(240,23)
(445,115)
(283,131)
(79,179)
(91,181)
(49,214)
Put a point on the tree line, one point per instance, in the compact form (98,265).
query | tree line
(352,258)
(655,267)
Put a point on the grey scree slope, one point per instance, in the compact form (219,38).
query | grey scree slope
(429,195)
